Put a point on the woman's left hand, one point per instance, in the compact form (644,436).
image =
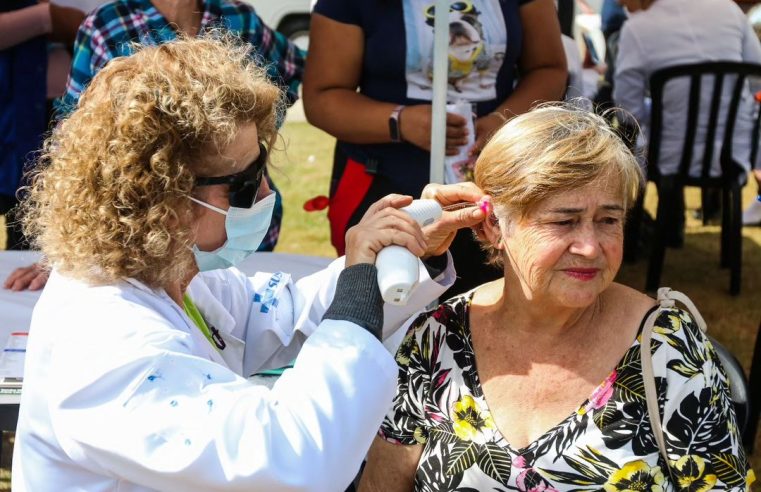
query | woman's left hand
(441,233)
(485,127)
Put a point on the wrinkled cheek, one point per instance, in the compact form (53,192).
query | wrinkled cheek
(528,257)
(614,255)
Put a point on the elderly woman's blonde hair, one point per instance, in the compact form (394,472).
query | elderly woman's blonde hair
(550,150)
(110,197)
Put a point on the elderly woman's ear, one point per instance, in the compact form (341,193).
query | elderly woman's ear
(492,232)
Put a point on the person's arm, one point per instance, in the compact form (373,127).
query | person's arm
(699,423)
(24,24)
(390,467)
(630,79)
(283,59)
(90,54)
(155,414)
(751,51)
(396,451)
(543,69)
(187,423)
(751,44)
(285,314)
(332,103)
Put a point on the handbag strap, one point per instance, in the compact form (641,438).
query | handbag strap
(666,300)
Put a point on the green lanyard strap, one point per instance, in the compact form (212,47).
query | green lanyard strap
(211,334)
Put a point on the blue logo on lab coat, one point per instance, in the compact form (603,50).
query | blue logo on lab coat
(267,298)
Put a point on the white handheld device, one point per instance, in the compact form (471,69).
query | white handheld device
(397,267)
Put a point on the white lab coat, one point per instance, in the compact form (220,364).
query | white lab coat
(123,392)
(676,32)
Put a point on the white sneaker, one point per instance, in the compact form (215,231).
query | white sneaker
(752,214)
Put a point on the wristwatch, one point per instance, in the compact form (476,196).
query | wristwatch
(394,128)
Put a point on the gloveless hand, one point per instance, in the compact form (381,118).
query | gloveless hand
(383,225)
(440,234)
(485,128)
(32,277)
(415,124)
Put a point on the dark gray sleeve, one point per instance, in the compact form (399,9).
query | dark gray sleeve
(357,299)
(435,265)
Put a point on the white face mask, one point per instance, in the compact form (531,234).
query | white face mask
(245,228)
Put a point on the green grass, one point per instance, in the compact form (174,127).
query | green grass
(303,172)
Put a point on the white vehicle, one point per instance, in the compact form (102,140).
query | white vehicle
(290,17)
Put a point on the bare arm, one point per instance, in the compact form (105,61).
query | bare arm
(543,66)
(331,100)
(543,69)
(390,467)
(23,24)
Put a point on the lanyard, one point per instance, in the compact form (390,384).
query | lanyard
(211,334)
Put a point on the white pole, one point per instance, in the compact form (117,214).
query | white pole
(439,101)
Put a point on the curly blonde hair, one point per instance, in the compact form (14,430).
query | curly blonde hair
(109,198)
(552,149)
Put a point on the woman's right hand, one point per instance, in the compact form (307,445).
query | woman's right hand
(415,125)
(383,225)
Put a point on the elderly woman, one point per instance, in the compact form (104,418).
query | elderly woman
(533,382)
(136,362)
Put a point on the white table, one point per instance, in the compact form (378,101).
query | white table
(16,307)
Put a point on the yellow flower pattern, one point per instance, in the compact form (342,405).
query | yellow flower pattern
(469,419)
(635,476)
(605,444)
(691,473)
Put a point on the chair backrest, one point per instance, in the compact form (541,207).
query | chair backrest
(738,384)
(737,74)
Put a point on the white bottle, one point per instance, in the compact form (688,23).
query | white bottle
(397,267)
(455,166)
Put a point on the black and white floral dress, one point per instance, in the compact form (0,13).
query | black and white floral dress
(606,444)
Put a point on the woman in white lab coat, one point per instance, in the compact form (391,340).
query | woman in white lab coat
(136,362)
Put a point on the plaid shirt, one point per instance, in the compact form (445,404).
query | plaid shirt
(107,32)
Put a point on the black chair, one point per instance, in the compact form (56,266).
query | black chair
(738,385)
(733,176)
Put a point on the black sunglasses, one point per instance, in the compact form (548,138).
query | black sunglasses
(243,185)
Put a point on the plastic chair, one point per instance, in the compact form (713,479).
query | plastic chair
(738,385)
(733,176)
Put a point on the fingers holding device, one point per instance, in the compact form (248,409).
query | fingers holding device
(396,230)
(398,270)
(382,225)
(398,266)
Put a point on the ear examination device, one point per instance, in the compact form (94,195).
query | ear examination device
(397,267)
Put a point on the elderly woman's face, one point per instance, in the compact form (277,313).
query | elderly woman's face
(210,225)
(569,249)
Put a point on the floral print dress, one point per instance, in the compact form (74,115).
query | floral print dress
(606,444)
